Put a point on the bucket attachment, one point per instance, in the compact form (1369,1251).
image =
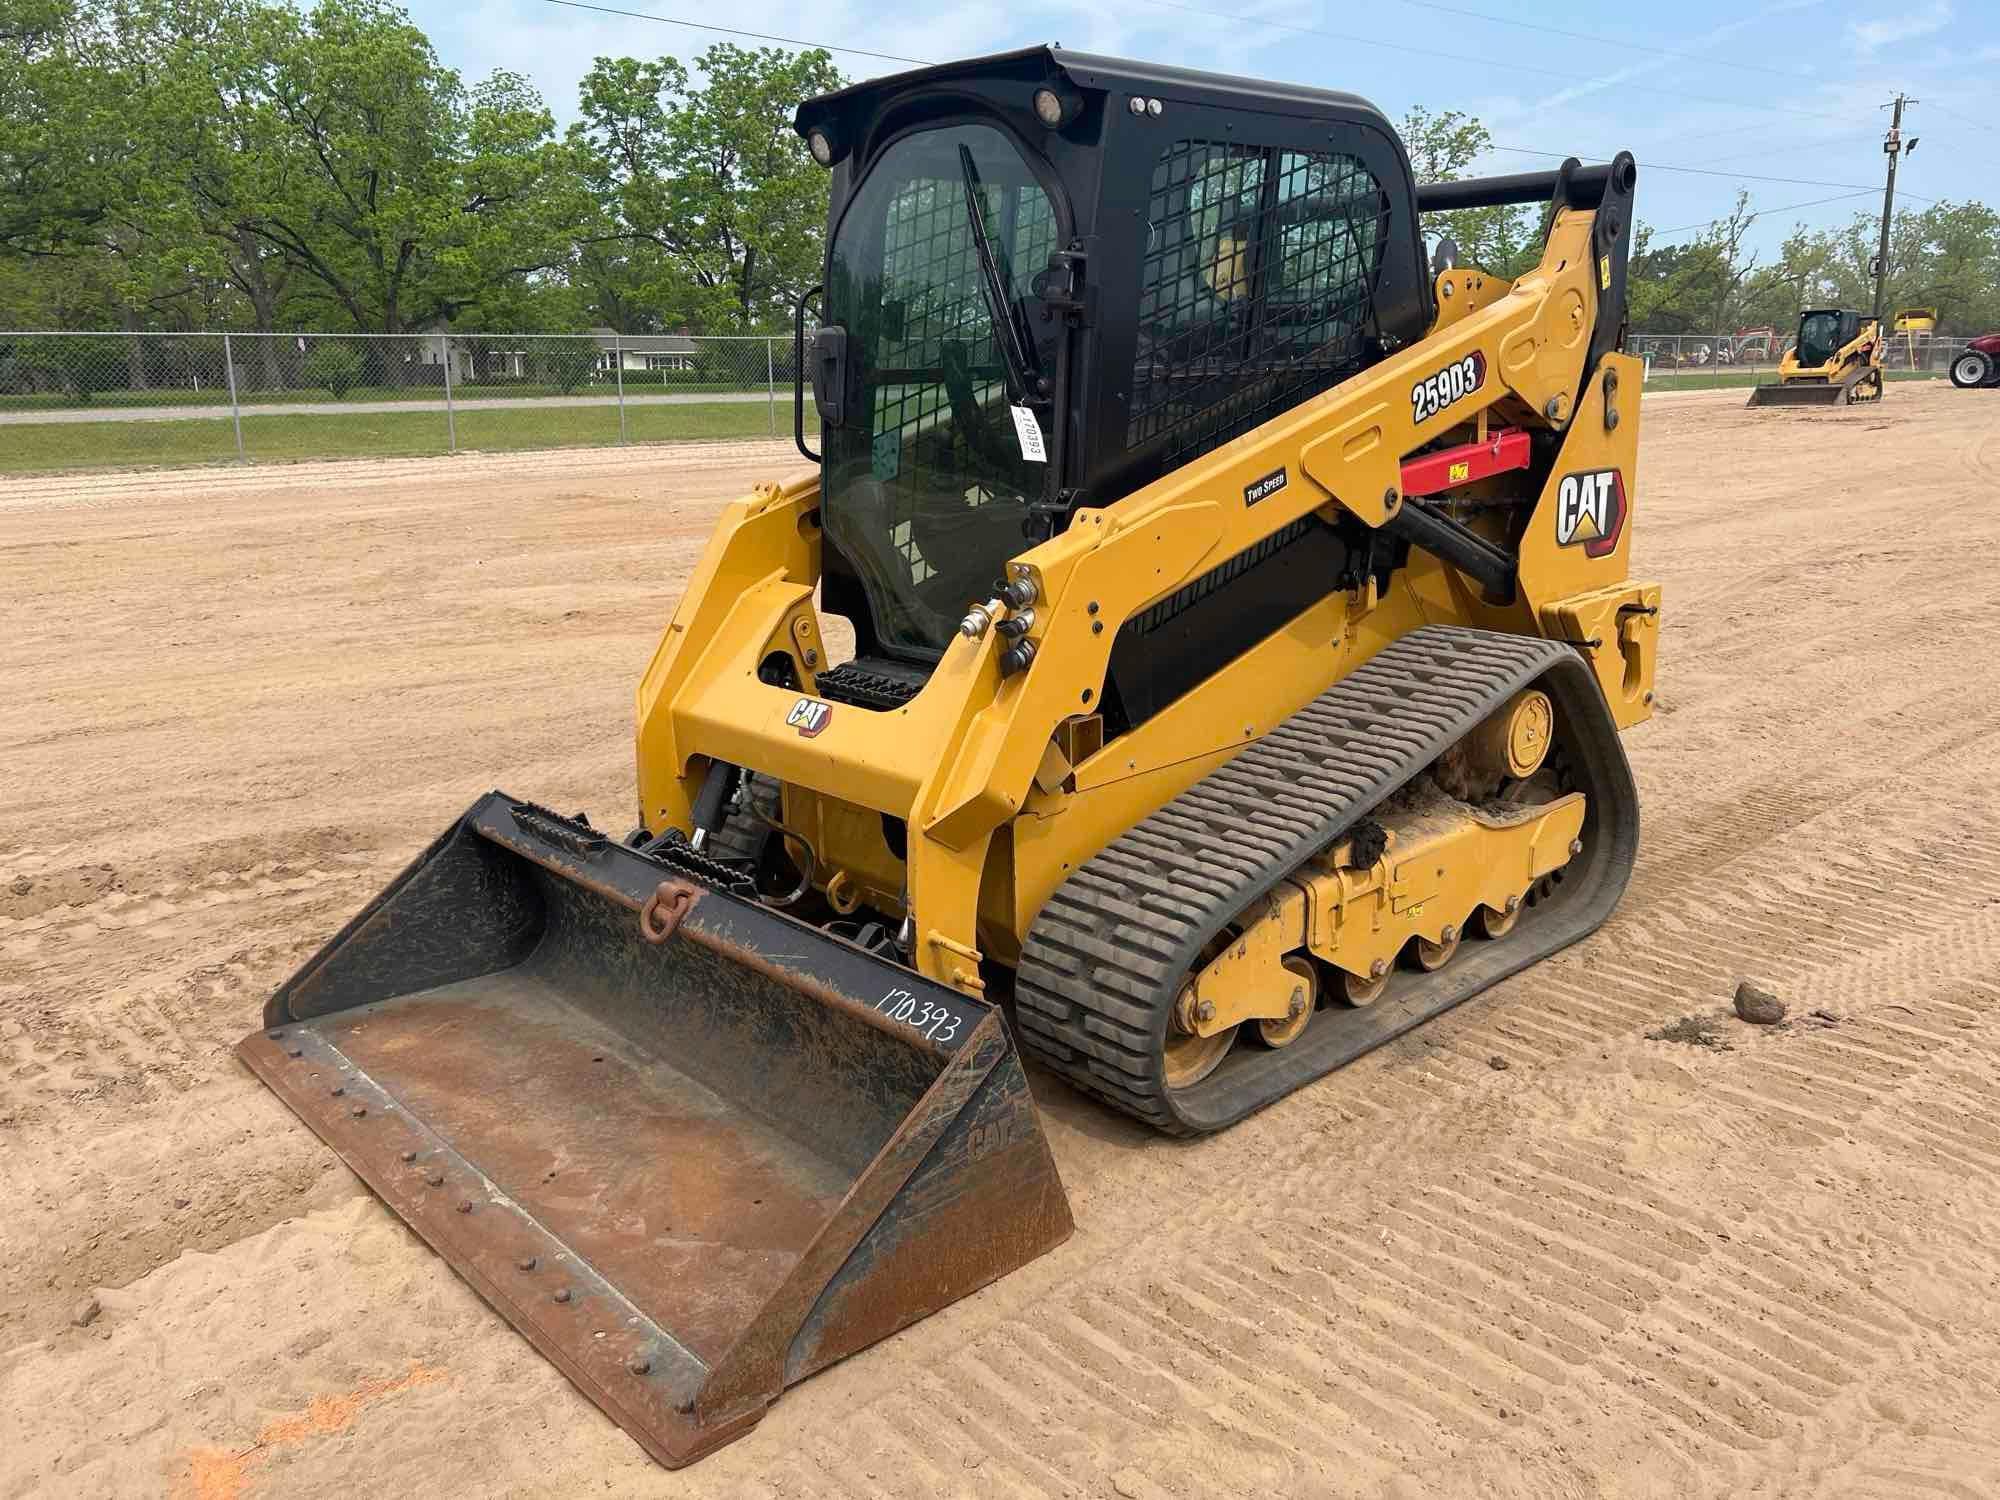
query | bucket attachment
(1798,393)
(692,1149)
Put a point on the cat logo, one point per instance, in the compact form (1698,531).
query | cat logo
(1590,511)
(1460,472)
(983,1140)
(809,716)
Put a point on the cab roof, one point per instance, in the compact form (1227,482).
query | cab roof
(1085,70)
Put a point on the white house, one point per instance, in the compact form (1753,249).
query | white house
(643,351)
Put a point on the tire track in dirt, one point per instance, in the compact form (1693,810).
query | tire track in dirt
(1526,1274)
(1612,986)
(1779,1360)
(1616,1265)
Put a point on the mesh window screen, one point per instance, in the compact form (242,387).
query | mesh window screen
(927,484)
(933,308)
(1256,290)
(936,318)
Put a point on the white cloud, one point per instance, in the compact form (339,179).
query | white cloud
(1714,37)
(1870,37)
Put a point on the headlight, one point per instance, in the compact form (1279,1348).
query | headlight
(821,147)
(1048,108)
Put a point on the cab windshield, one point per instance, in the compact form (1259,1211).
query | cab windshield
(1819,337)
(926,485)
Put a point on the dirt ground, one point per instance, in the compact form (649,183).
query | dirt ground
(238,701)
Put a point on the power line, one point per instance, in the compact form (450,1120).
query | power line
(1566,75)
(1654,166)
(1220,15)
(761,36)
(1601,41)
(1963,119)
(1684,138)
(1214,15)
(1765,213)
(1821,140)
(1217,15)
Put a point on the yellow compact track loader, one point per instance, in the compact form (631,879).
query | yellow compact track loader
(1242,636)
(1837,360)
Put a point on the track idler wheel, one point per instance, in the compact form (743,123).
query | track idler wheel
(1188,1057)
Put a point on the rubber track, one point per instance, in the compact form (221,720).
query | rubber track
(1106,956)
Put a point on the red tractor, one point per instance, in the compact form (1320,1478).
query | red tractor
(1978,363)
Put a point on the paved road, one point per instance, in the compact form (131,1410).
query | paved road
(352,408)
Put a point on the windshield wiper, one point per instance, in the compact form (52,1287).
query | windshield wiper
(1017,353)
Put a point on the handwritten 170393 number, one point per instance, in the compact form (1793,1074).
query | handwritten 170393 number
(938,1023)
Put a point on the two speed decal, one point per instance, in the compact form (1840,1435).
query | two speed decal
(1454,382)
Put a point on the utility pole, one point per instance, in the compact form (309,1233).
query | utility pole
(1892,147)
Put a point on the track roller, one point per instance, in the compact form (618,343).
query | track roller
(1305,995)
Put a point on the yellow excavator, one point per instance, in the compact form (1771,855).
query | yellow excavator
(1242,636)
(1836,360)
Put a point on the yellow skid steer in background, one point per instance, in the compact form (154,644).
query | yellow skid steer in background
(1836,361)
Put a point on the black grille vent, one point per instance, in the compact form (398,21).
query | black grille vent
(1152,619)
(1201,628)
(875,685)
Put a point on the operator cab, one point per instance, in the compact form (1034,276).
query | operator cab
(1823,333)
(1052,278)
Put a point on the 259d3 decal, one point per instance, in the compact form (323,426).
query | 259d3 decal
(1454,382)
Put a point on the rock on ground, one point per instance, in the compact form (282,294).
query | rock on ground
(1758,1006)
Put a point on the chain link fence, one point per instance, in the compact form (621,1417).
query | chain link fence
(70,399)
(1693,360)
(75,400)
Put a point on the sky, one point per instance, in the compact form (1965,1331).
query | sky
(1736,90)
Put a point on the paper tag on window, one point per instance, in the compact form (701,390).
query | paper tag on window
(1029,431)
(886,454)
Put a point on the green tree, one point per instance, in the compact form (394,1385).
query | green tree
(1697,286)
(1800,277)
(334,366)
(714,202)
(60,132)
(74,290)
(400,198)
(1945,256)
(247,164)
(206,141)
(1441,146)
